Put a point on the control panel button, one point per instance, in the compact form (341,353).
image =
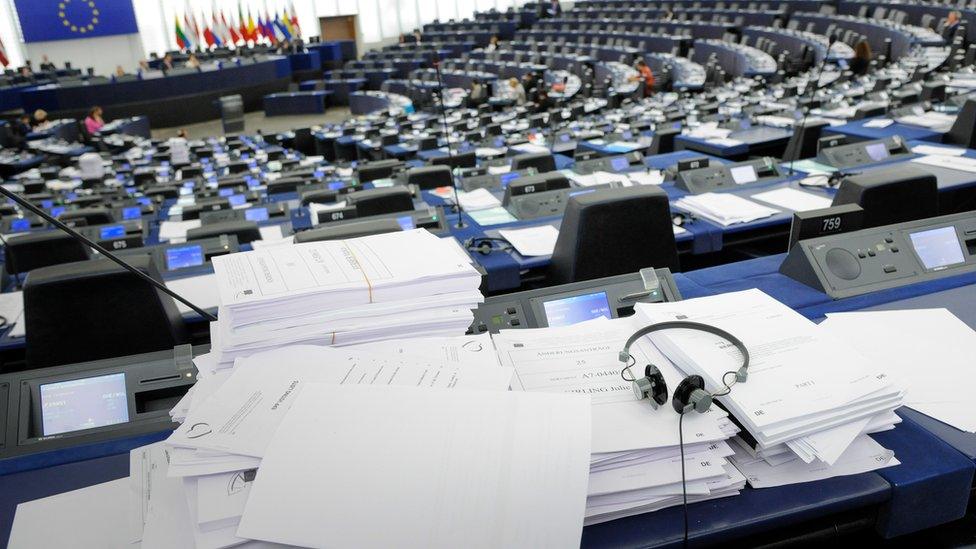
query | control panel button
(482,328)
(515,322)
(862,255)
(872,253)
(894,249)
(890,268)
(510,310)
(889,240)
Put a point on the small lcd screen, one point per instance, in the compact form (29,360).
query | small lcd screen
(133,212)
(47,203)
(20,225)
(619,163)
(69,406)
(183,257)
(115,231)
(507,178)
(576,309)
(336,185)
(564,137)
(628,135)
(58,210)
(144,200)
(937,248)
(743,174)
(877,151)
(237,200)
(256,214)
(227,191)
(406,223)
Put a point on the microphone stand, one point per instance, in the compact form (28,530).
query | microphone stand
(447,136)
(100,249)
(811,84)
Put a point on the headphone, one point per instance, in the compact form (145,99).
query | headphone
(486,245)
(691,393)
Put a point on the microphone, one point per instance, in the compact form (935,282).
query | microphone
(100,249)
(811,84)
(447,135)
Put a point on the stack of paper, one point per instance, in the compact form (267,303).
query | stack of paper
(809,396)
(792,199)
(932,120)
(724,208)
(342,292)
(921,351)
(635,467)
(478,199)
(230,418)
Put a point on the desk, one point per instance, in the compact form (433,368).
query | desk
(856,131)
(758,141)
(137,126)
(342,88)
(289,103)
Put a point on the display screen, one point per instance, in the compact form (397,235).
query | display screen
(619,163)
(877,151)
(576,309)
(743,174)
(184,256)
(47,203)
(58,210)
(336,185)
(68,406)
(227,191)
(406,222)
(144,201)
(115,231)
(565,137)
(507,178)
(937,248)
(132,212)
(237,200)
(256,214)
(20,225)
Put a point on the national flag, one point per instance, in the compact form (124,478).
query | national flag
(219,31)
(208,36)
(4,60)
(181,41)
(294,19)
(252,31)
(281,29)
(287,22)
(235,37)
(192,38)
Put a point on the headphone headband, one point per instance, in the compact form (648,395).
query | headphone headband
(740,375)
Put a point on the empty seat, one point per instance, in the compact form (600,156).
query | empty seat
(803,142)
(381,201)
(461,160)
(891,195)
(614,231)
(963,131)
(88,216)
(27,252)
(380,169)
(430,177)
(349,230)
(245,231)
(113,313)
(542,162)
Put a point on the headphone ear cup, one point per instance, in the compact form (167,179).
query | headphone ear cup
(689,392)
(651,386)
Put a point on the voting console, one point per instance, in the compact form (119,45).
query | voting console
(50,409)
(864,152)
(610,297)
(728,176)
(855,263)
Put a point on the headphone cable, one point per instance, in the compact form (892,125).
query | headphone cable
(684,484)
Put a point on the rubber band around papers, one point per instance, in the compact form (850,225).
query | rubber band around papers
(369,285)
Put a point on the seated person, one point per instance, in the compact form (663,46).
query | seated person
(192,61)
(46,64)
(40,121)
(94,121)
(119,71)
(646,75)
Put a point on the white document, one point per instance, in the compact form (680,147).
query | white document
(175,231)
(725,208)
(532,241)
(652,177)
(938,150)
(860,457)
(583,359)
(468,350)
(879,123)
(12,310)
(242,414)
(931,120)
(468,469)
(923,348)
(478,199)
(959,163)
(200,290)
(271,232)
(792,199)
(94,516)
(724,141)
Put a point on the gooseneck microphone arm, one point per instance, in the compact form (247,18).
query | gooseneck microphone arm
(447,134)
(811,84)
(100,249)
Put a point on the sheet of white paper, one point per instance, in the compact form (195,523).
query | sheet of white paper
(478,199)
(653,177)
(89,517)
(960,163)
(532,241)
(271,232)
(471,469)
(200,290)
(879,123)
(938,150)
(793,199)
(863,455)
(176,230)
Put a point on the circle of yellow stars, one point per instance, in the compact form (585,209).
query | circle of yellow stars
(80,28)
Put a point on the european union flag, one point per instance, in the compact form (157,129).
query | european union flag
(44,20)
